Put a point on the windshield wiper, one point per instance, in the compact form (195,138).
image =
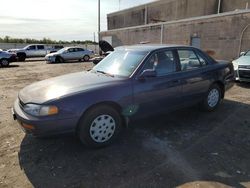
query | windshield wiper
(105,73)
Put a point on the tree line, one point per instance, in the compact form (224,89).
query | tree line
(8,39)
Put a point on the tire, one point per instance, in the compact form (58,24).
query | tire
(21,57)
(4,62)
(212,99)
(86,58)
(99,127)
(59,59)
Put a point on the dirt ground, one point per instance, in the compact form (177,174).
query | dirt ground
(186,148)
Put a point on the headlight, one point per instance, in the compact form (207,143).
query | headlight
(235,64)
(40,110)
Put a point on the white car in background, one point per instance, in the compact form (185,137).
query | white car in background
(69,53)
(242,67)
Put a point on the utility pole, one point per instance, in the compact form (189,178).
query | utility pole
(99,23)
(219,7)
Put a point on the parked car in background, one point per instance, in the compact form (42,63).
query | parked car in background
(106,49)
(33,50)
(55,48)
(242,67)
(6,58)
(69,53)
(131,82)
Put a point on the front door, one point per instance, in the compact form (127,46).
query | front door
(161,92)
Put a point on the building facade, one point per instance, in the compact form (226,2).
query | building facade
(221,27)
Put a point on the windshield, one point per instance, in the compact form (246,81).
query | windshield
(62,50)
(120,62)
(248,53)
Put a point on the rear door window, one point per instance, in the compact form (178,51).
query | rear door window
(40,47)
(189,60)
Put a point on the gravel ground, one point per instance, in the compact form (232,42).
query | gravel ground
(186,148)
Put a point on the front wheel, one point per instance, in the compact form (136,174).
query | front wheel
(4,62)
(21,57)
(212,99)
(100,126)
(59,59)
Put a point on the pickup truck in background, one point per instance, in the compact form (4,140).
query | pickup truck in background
(33,50)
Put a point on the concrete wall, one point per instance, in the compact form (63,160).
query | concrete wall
(231,5)
(7,46)
(164,10)
(220,34)
(168,10)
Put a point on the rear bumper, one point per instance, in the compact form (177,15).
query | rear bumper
(42,127)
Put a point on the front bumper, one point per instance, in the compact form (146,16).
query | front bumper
(242,75)
(42,126)
(50,59)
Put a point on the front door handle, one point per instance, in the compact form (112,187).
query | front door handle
(176,81)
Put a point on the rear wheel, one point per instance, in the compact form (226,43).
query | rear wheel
(213,98)
(86,58)
(4,62)
(100,126)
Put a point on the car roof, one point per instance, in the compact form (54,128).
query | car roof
(150,47)
(66,48)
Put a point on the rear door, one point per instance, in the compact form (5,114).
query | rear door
(80,53)
(161,92)
(196,75)
(41,50)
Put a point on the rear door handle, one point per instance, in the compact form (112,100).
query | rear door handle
(176,81)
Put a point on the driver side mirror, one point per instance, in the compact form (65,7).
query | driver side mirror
(242,53)
(148,73)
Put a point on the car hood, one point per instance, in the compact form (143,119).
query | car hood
(57,87)
(13,50)
(105,46)
(243,60)
(52,54)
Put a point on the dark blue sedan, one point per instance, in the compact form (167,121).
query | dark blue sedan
(131,82)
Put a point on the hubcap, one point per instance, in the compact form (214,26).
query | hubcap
(86,58)
(102,128)
(213,98)
(5,62)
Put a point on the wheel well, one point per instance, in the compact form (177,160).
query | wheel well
(21,53)
(59,57)
(221,85)
(107,103)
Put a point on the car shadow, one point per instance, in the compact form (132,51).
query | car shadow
(166,150)
(10,66)
(243,84)
(32,60)
(72,61)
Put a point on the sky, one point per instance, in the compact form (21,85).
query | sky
(57,19)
